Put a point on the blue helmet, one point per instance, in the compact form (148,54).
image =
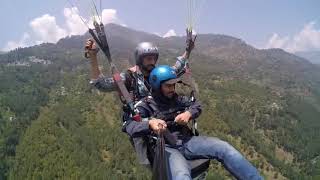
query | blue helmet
(160,74)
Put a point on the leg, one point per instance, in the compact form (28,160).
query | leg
(213,148)
(179,168)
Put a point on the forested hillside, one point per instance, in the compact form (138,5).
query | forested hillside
(53,125)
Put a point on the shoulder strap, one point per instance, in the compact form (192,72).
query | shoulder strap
(154,107)
(140,87)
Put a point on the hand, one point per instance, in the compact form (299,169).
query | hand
(183,118)
(157,125)
(190,45)
(91,49)
(190,41)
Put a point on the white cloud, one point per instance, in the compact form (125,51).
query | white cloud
(109,16)
(73,21)
(23,42)
(170,33)
(277,42)
(307,39)
(46,29)
(158,34)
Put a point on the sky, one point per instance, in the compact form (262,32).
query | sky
(293,25)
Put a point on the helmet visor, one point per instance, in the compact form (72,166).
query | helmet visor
(172,81)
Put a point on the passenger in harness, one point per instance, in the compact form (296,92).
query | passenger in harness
(166,111)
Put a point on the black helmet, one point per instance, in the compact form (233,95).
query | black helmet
(145,49)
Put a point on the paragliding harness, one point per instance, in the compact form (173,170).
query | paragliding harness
(156,142)
(141,87)
(138,88)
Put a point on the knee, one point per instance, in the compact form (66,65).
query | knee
(226,145)
(226,148)
(230,151)
(218,142)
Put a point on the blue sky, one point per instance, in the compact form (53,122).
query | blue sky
(293,25)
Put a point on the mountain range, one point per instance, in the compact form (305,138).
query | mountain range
(264,102)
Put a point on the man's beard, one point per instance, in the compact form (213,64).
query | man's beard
(170,95)
(148,68)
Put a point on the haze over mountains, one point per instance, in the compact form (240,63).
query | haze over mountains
(312,56)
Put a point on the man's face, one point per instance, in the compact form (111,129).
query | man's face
(149,62)
(168,90)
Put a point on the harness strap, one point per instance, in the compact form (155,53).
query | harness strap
(141,87)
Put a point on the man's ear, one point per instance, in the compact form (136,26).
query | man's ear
(161,87)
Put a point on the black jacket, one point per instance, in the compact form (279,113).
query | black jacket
(165,109)
(168,109)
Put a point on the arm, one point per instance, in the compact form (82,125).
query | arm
(98,80)
(136,129)
(91,51)
(182,60)
(106,84)
(180,64)
(146,126)
(193,111)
